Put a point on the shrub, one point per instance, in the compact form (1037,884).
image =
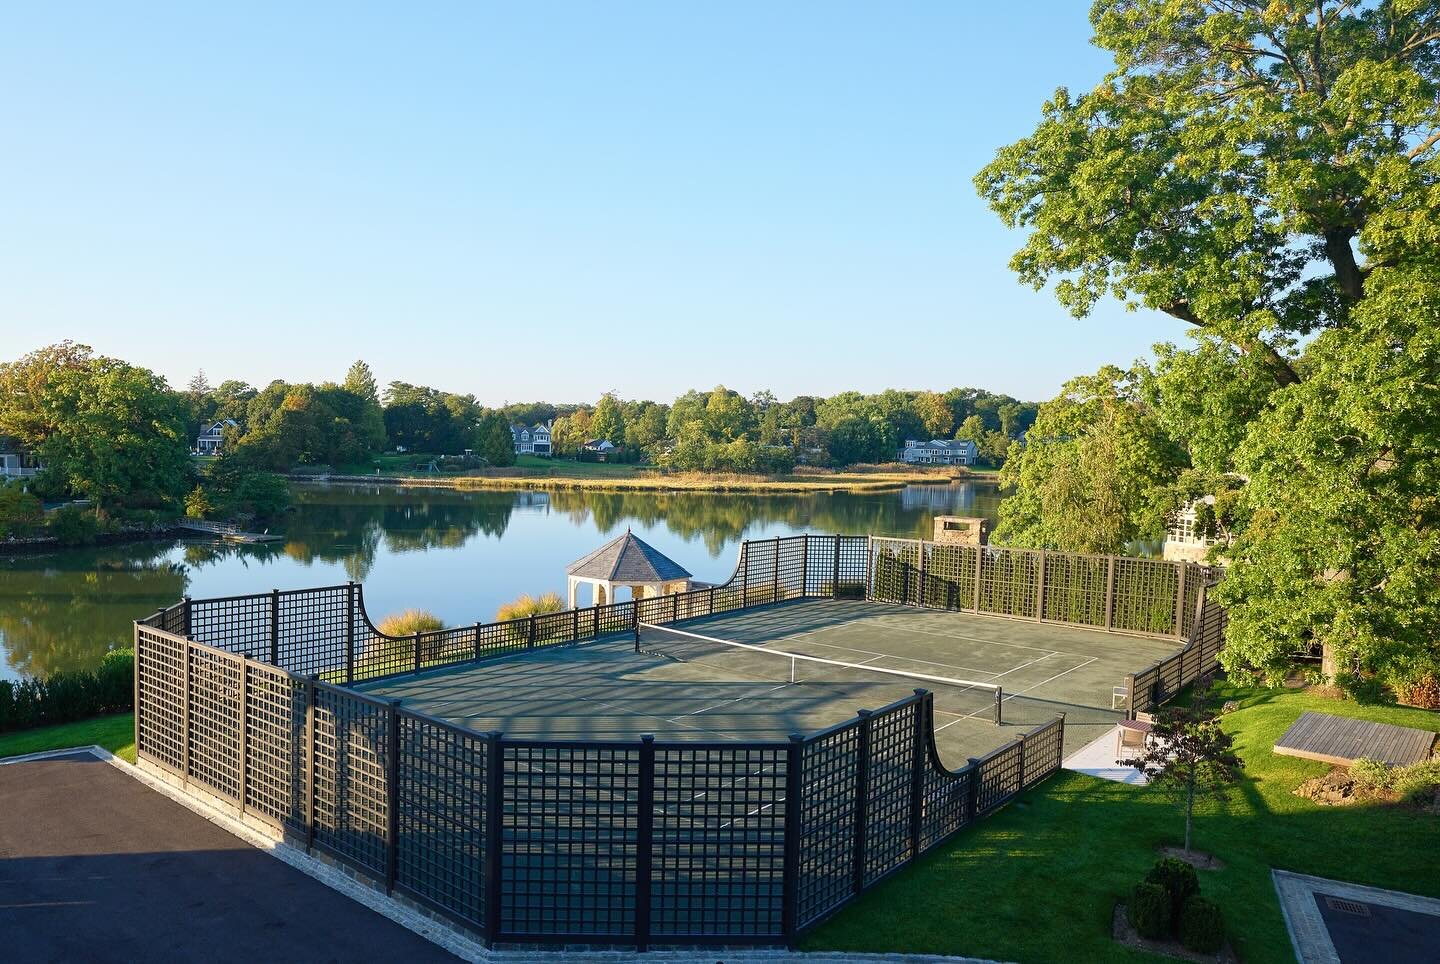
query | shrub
(73,526)
(1422,691)
(1202,926)
(528,605)
(1373,774)
(1418,780)
(198,504)
(410,622)
(1179,880)
(66,696)
(1149,911)
(20,512)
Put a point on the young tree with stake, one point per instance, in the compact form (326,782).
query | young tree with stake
(1188,758)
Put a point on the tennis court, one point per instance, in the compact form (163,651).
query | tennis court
(685,683)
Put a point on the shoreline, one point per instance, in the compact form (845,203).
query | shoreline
(850,483)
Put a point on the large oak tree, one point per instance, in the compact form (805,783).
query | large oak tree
(1267,172)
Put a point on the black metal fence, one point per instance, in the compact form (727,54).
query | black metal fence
(643,842)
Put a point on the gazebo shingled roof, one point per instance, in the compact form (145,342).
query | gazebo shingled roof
(625,560)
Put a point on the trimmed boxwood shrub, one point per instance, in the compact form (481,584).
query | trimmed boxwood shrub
(1202,926)
(66,696)
(1149,911)
(1179,880)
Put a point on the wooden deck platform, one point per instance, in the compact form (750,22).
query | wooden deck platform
(1342,741)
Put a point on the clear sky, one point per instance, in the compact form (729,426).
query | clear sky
(538,200)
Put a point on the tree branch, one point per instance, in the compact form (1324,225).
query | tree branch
(1279,368)
(1424,145)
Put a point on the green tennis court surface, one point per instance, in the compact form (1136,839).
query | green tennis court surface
(679,688)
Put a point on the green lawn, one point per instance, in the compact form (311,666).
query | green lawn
(115,733)
(1038,881)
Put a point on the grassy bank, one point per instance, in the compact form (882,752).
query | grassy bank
(115,733)
(534,473)
(1038,881)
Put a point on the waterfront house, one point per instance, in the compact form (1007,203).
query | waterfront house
(531,439)
(15,462)
(208,441)
(939,452)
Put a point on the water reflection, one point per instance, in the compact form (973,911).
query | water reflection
(460,554)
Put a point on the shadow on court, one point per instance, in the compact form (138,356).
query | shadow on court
(95,866)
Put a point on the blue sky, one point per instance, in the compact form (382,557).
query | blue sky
(538,200)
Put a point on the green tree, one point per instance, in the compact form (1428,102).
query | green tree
(360,380)
(1189,759)
(106,430)
(728,415)
(492,440)
(1267,173)
(934,414)
(1092,474)
(971,430)
(608,422)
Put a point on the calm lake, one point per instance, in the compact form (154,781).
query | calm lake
(458,554)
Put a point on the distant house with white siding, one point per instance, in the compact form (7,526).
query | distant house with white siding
(531,439)
(939,452)
(208,441)
(1185,540)
(600,445)
(15,462)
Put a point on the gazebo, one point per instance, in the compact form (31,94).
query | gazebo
(627,561)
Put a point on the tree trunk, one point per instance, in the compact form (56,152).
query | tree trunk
(1329,661)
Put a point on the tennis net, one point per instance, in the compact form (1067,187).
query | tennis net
(767,663)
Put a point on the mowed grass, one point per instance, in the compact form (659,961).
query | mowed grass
(115,733)
(1038,881)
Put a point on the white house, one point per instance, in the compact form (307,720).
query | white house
(531,439)
(208,441)
(1184,541)
(939,452)
(601,445)
(15,464)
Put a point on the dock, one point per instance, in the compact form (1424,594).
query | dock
(227,532)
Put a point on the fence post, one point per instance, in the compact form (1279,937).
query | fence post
(274,627)
(712,604)
(862,800)
(979,561)
(972,794)
(644,841)
(574,625)
(674,607)
(309,764)
(835,571)
(1109,593)
(869,566)
(1021,785)
(745,574)
(417,650)
(921,759)
(920,593)
(1180,600)
(136,684)
(241,741)
(185,617)
(1130,696)
(350,632)
(805,566)
(494,832)
(392,795)
(530,633)
(790,900)
(477,640)
(1040,590)
(185,715)
(775,576)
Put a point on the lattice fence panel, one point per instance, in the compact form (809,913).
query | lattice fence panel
(890,799)
(945,806)
(829,774)
(236,624)
(215,720)
(718,868)
(440,846)
(895,570)
(820,565)
(949,576)
(274,742)
(999,776)
(1008,582)
(854,566)
(351,806)
(1044,751)
(568,860)
(1075,588)
(1145,595)
(313,627)
(160,661)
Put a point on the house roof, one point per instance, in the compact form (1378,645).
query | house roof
(627,559)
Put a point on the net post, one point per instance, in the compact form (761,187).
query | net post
(494,831)
(862,800)
(644,841)
(790,901)
(392,794)
(637,634)
(999,703)
(920,759)
(274,627)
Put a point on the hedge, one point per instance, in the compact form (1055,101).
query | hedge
(66,696)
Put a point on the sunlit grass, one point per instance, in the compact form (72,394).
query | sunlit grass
(115,733)
(1038,881)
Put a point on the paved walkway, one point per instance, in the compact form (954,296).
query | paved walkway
(1097,759)
(1332,922)
(95,866)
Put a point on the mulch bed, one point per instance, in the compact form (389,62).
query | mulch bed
(1125,934)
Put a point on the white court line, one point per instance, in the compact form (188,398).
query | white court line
(772,689)
(652,716)
(1019,693)
(871,652)
(980,639)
